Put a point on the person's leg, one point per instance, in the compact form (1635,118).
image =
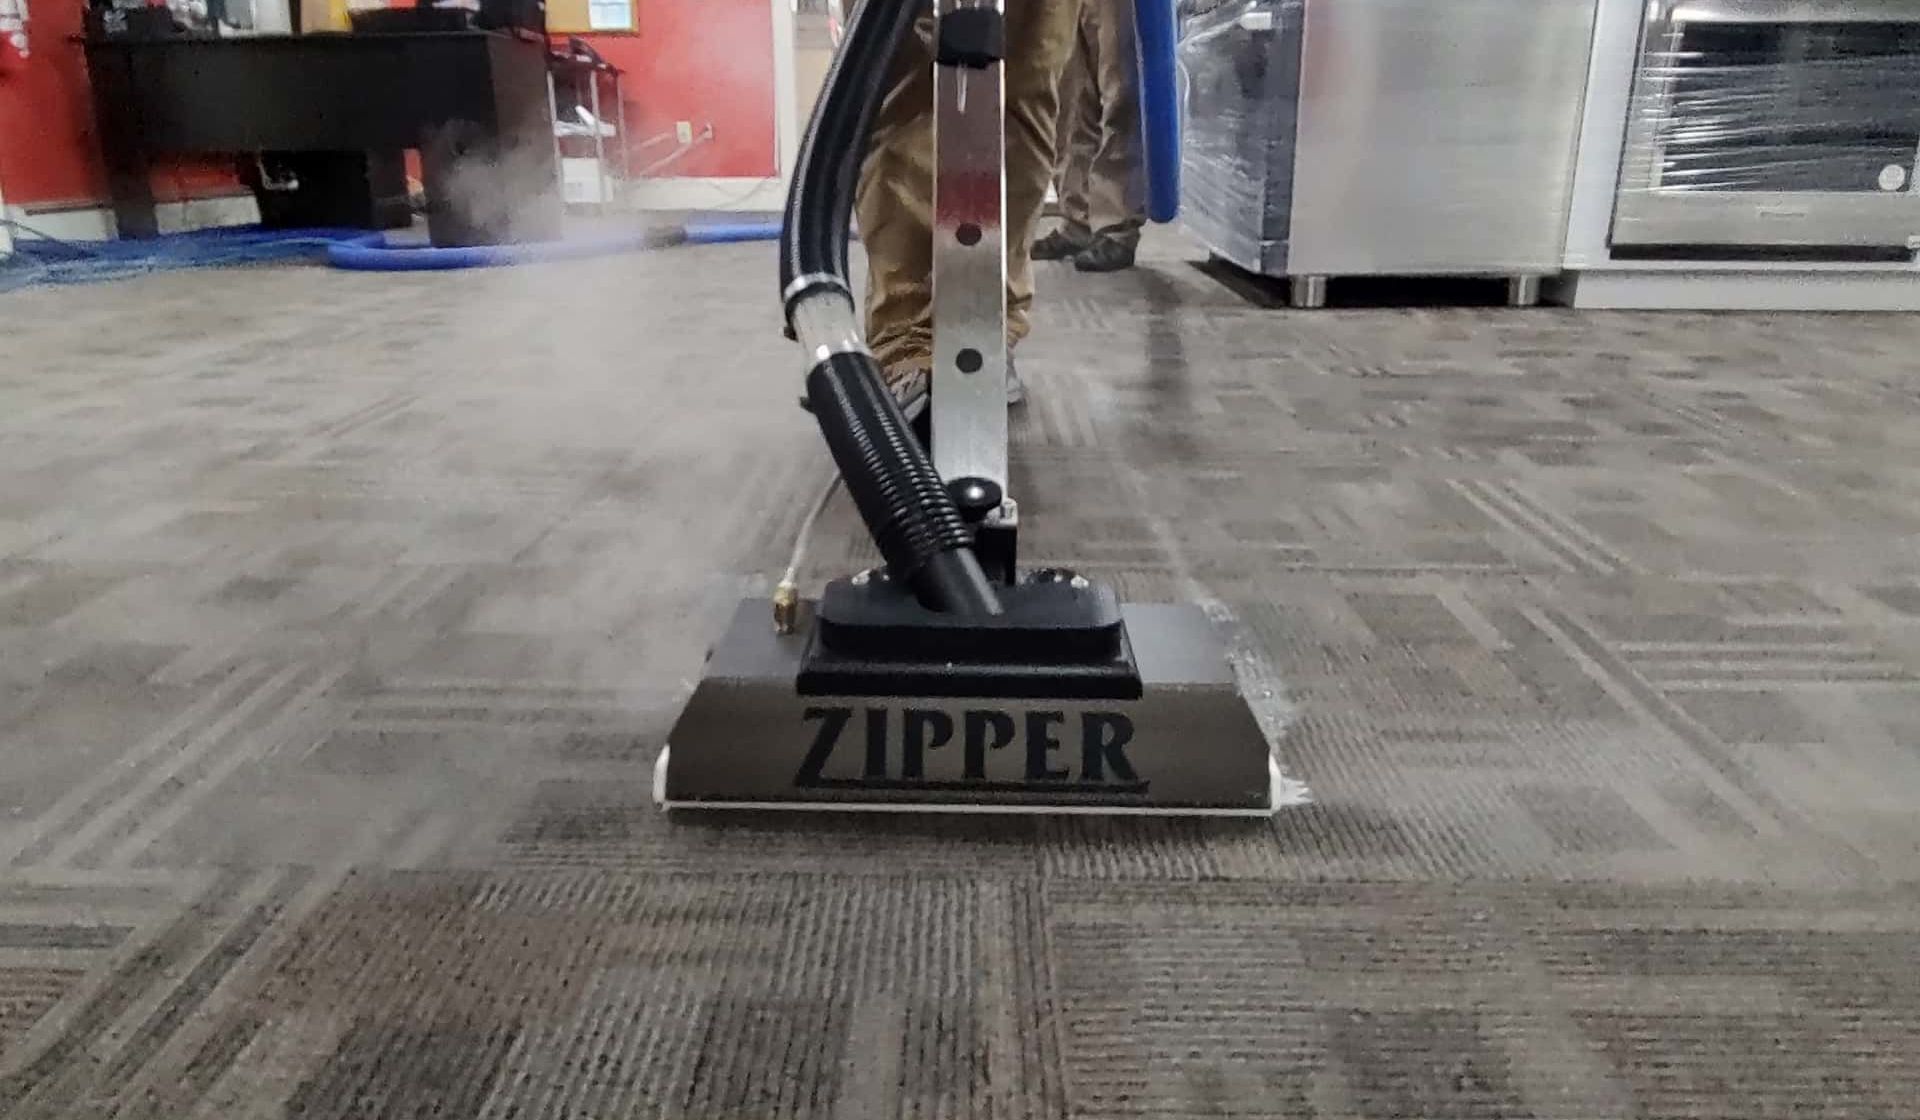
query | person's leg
(894,206)
(1075,81)
(1040,41)
(1076,141)
(1116,206)
(894,201)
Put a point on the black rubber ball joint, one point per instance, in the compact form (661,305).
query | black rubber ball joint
(975,497)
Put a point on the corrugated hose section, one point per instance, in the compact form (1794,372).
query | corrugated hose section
(899,494)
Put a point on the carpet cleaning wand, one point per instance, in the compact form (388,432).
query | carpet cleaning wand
(946,680)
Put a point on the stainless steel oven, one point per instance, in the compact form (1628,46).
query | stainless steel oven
(1383,137)
(1774,123)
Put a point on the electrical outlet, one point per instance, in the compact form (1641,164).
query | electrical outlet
(683,131)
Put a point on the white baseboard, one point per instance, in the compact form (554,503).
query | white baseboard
(761,195)
(1863,288)
(95,223)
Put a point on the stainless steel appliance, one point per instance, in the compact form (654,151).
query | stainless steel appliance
(1400,137)
(1773,123)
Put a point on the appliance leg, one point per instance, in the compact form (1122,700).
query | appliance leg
(1308,291)
(1523,291)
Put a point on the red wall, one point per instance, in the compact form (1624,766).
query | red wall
(701,61)
(47,152)
(40,117)
(693,60)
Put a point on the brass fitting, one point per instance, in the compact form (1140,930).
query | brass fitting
(786,608)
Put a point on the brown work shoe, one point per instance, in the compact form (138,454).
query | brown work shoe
(907,383)
(1106,254)
(1061,244)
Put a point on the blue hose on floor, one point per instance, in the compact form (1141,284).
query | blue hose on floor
(374,253)
(1157,34)
(721,233)
(42,259)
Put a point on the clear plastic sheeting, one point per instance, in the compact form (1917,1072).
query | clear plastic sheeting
(1772,126)
(1239,69)
(1779,107)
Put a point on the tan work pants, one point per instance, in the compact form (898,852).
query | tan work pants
(895,199)
(1099,177)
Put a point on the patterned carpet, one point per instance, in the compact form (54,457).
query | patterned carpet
(341,617)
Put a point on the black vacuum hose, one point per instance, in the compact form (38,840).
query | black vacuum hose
(813,237)
(908,511)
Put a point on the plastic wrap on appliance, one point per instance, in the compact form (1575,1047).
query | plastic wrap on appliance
(1239,71)
(1716,112)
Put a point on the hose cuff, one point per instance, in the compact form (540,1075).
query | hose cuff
(811,285)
